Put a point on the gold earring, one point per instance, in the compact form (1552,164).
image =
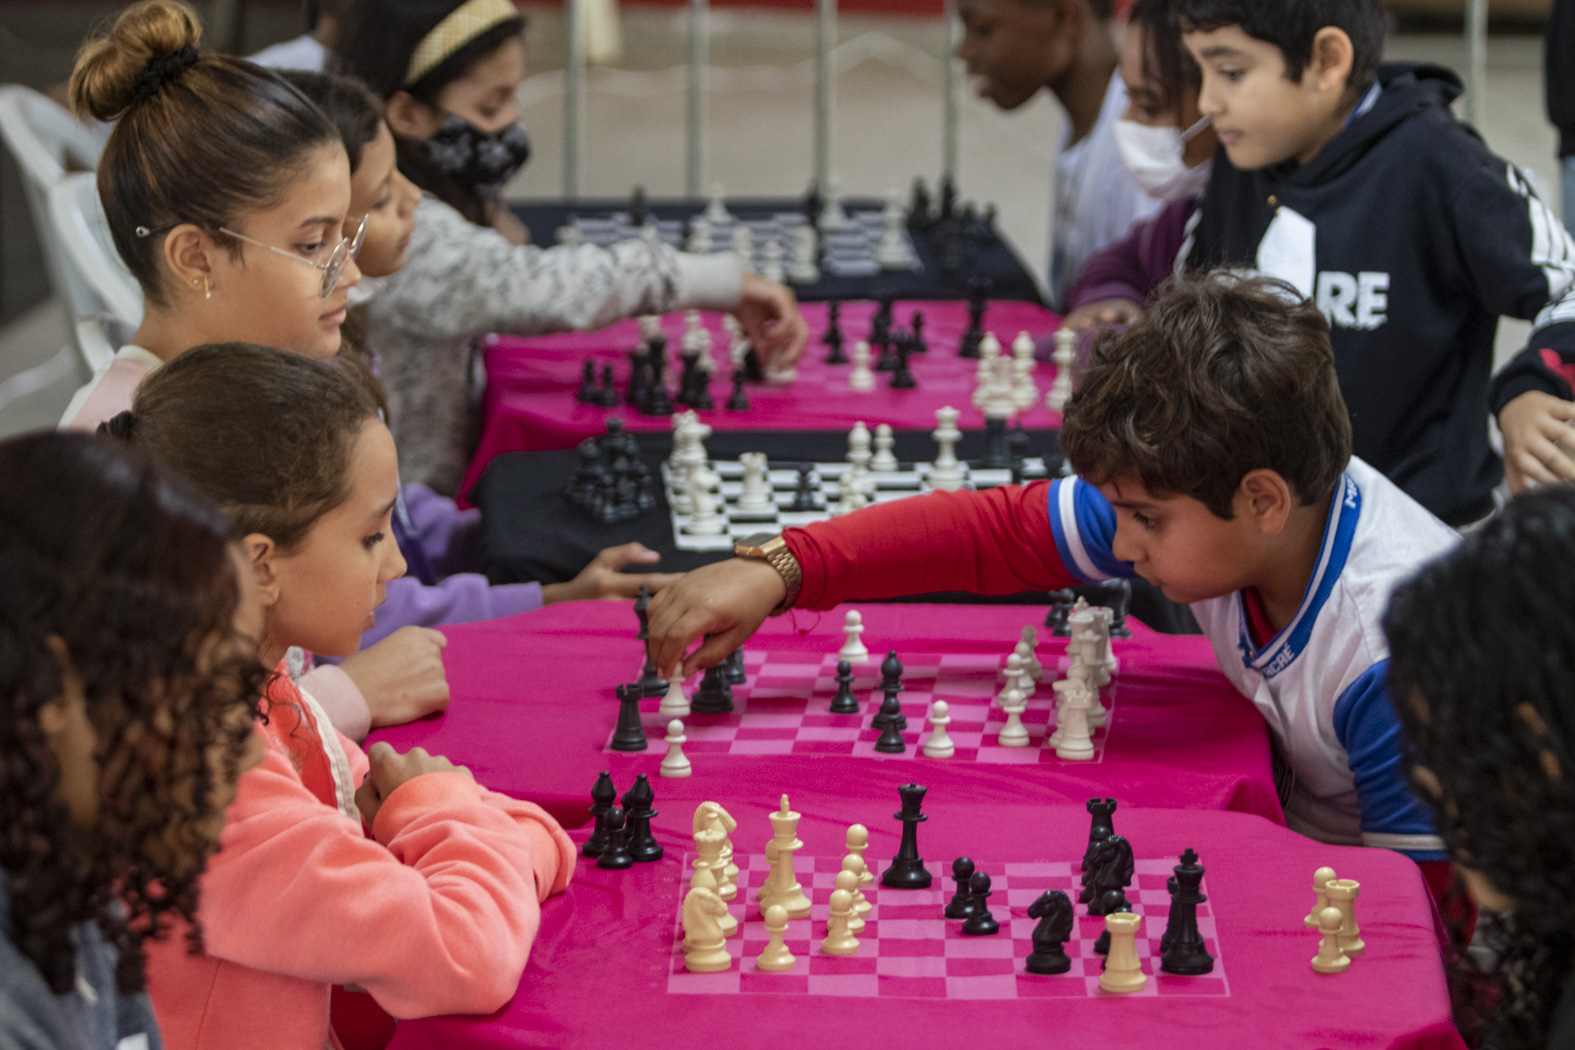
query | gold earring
(207,291)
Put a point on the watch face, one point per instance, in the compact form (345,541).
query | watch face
(759,539)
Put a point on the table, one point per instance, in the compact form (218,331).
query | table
(992,257)
(530,406)
(601,966)
(533,709)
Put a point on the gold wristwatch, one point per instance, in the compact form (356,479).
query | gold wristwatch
(771,549)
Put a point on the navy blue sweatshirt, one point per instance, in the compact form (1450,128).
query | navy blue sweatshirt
(1412,238)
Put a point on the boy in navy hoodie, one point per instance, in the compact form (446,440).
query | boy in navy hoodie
(1354,182)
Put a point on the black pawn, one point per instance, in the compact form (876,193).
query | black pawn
(734,665)
(981,923)
(962,904)
(587,393)
(917,344)
(603,795)
(607,393)
(906,870)
(616,855)
(715,695)
(804,500)
(844,703)
(833,333)
(902,376)
(637,802)
(1053,909)
(630,734)
(1061,604)
(890,741)
(837,356)
(1183,951)
(738,401)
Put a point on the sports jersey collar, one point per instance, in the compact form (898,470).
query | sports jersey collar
(1338,533)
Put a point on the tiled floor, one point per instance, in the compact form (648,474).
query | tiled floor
(887,130)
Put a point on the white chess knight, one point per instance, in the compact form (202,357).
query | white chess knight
(1024,390)
(862,377)
(1064,357)
(939,745)
(802,265)
(884,460)
(755,497)
(675,763)
(699,235)
(716,212)
(771,260)
(946,473)
(853,649)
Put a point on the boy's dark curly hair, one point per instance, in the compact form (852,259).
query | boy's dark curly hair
(1482,670)
(130,568)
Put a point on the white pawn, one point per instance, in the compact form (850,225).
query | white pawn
(854,863)
(839,937)
(802,268)
(853,649)
(946,472)
(716,212)
(674,704)
(775,956)
(771,261)
(1025,658)
(699,235)
(1030,637)
(984,377)
(1331,958)
(1024,390)
(1014,733)
(1014,673)
(939,745)
(862,378)
(884,460)
(676,763)
(848,880)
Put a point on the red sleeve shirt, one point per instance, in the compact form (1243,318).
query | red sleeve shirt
(995,542)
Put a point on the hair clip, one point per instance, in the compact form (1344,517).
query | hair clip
(143,231)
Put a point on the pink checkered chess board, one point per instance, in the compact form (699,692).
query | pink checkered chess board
(908,948)
(783,709)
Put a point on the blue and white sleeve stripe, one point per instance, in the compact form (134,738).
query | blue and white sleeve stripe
(1084,527)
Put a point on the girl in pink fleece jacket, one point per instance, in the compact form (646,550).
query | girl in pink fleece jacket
(396,874)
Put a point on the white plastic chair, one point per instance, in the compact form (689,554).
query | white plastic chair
(77,223)
(44,139)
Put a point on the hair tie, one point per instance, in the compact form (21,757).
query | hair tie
(161,70)
(122,425)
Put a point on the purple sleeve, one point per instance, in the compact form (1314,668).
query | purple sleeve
(462,598)
(1133,267)
(450,537)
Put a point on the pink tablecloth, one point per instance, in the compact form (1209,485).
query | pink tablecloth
(599,973)
(533,709)
(530,403)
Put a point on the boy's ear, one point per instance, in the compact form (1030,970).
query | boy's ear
(1332,58)
(262,555)
(1269,500)
(410,119)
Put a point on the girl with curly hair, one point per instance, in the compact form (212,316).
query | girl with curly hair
(1482,664)
(128,688)
(394,873)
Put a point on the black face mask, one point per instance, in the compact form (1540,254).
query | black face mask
(478,161)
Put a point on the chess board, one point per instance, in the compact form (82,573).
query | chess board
(782,709)
(909,949)
(849,252)
(911,479)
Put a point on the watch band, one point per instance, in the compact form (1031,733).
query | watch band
(792,574)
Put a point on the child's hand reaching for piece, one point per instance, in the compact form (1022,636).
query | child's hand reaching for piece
(769,314)
(1539,437)
(391,769)
(402,676)
(604,577)
(726,602)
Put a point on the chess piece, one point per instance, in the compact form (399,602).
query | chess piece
(674,703)
(1073,741)
(1030,639)
(782,886)
(1053,909)
(978,300)
(1102,825)
(946,472)
(744,245)
(715,695)
(883,460)
(854,864)
(586,394)
(629,735)
(705,946)
(853,649)
(607,393)
(771,261)
(939,745)
(755,495)
(802,252)
(901,375)
(962,903)
(704,519)
(675,763)
(738,401)
(804,498)
(1064,358)
(1112,903)
(832,336)
(839,936)
(862,378)
(1025,663)
(1024,391)
(710,872)
(1061,603)
(1110,872)
(1330,958)
(1013,678)
(1342,895)
(1123,969)
(616,856)
(847,880)
(892,252)
(980,923)
(733,666)
(775,956)
(637,802)
(844,703)
(857,842)
(699,242)
(907,870)
(1014,733)
(603,795)
(712,815)
(716,210)
(1182,949)
(1321,879)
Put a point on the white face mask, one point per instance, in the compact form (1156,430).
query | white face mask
(1153,157)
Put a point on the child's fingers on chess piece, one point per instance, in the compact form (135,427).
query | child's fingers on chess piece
(772,322)
(1538,440)
(402,677)
(1105,312)
(604,577)
(725,603)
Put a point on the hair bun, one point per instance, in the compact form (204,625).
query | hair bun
(148,45)
(123,426)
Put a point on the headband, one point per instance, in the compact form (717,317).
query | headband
(462,25)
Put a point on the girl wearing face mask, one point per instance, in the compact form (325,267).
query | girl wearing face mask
(1167,146)
(448,71)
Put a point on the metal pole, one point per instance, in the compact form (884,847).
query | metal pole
(1476,49)
(699,59)
(825,89)
(574,98)
(955,74)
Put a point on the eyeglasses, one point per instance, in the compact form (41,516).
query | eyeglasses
(345,250)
